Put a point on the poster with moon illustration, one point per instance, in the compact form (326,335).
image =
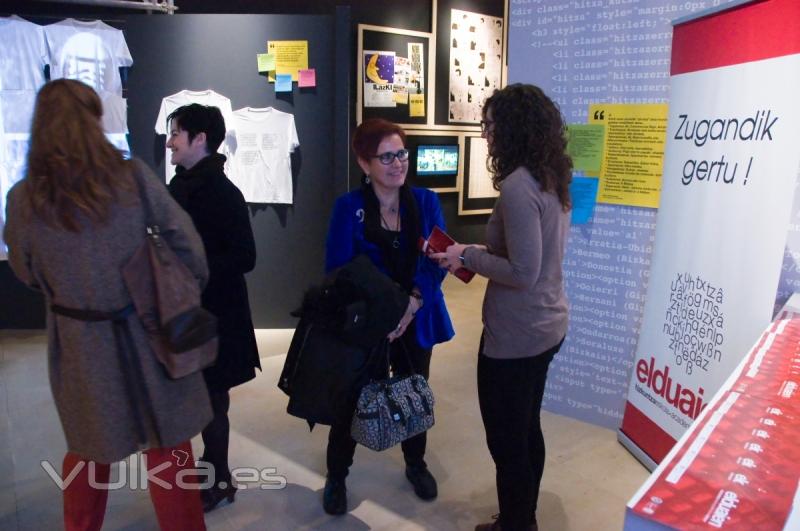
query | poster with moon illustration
(379,79)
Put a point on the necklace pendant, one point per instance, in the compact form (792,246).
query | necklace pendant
(396,243)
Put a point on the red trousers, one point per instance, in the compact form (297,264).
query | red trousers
(177,509)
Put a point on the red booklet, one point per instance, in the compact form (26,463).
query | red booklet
(438,242)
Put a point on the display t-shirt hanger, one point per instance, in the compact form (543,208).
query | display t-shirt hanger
(186,97)
(262,147)
(23,54)
(92,52)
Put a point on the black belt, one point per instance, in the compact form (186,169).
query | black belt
(125,345)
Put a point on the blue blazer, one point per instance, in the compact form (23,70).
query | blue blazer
(346,240)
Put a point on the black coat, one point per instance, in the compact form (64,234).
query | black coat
(220,215)
(341,323)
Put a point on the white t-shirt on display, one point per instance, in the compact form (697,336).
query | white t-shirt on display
(115,113)
(16,112)
(23,54)
(186,97)
(264,141)
(91,52)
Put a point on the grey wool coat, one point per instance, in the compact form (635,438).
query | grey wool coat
(82,270)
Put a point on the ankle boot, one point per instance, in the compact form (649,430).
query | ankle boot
(334,497)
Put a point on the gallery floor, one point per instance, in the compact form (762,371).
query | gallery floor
(588,476)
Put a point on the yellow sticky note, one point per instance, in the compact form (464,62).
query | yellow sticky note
(290,56)
(401,97)
(266,62)
(633,154)
(416,104)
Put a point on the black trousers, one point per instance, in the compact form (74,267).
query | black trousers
(510,394)
(217,435)
(342,447)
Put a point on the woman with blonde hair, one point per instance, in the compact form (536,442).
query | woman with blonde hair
(71,224)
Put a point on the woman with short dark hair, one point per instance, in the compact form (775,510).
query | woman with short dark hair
(73,222)
(525,306)
(384,220)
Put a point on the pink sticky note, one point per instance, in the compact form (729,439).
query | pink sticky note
(307,78)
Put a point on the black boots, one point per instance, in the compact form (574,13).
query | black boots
(423,481)
(334,498)
(213,496)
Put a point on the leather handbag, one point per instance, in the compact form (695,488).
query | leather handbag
(392,410)
(166,296)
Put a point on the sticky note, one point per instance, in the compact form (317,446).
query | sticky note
(266,62)
(583,191)
(307,78)
(283,82)
(416,104)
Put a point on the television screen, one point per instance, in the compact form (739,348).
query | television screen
(437,160)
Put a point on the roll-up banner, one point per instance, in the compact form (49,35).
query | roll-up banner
(731,163)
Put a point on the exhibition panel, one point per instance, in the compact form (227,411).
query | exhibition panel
(738,466)
(729,181)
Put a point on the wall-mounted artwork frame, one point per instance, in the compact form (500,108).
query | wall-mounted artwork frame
(378,70)
(446,95)
(441,183)
(475,192)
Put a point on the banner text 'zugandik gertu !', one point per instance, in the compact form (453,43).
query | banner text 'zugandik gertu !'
(725,169)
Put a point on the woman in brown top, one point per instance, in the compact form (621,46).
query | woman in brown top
(525,307)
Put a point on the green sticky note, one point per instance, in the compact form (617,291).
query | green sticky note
(283,82)
(266,62)
(585,145)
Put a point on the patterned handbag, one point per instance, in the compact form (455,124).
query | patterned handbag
(392,410)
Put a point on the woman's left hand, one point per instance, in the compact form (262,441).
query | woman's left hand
(450,258)
(413,307)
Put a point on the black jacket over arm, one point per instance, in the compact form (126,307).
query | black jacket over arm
(220,215)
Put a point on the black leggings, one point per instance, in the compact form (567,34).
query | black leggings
(510,393)
(217,435)
(342,447)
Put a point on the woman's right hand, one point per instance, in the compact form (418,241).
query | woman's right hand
(413,307)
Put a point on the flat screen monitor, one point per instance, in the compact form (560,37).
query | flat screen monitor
(437,159)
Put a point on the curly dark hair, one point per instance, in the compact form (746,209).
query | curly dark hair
(528,130)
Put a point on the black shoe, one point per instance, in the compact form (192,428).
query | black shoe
(423,481)
(213,496)
(334,498)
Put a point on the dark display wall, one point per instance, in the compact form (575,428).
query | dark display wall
(199,52)
(190,51)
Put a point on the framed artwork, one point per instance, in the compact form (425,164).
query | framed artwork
(436,159)
(475,192)
(394,75)
(471,49)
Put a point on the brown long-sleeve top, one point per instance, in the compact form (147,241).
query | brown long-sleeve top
(525,307)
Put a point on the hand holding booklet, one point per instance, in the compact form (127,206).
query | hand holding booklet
(438,242)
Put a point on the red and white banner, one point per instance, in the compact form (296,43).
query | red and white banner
(731,162)
(738,466)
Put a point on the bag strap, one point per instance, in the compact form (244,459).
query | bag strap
(412,369)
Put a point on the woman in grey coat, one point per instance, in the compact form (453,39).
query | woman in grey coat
(71,224)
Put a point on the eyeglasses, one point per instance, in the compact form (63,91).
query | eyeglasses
(486,124)
(388,157)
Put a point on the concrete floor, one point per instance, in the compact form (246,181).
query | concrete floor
(588,477)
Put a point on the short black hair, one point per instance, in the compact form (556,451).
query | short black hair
(195,118)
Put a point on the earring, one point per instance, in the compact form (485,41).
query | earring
(366,179)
